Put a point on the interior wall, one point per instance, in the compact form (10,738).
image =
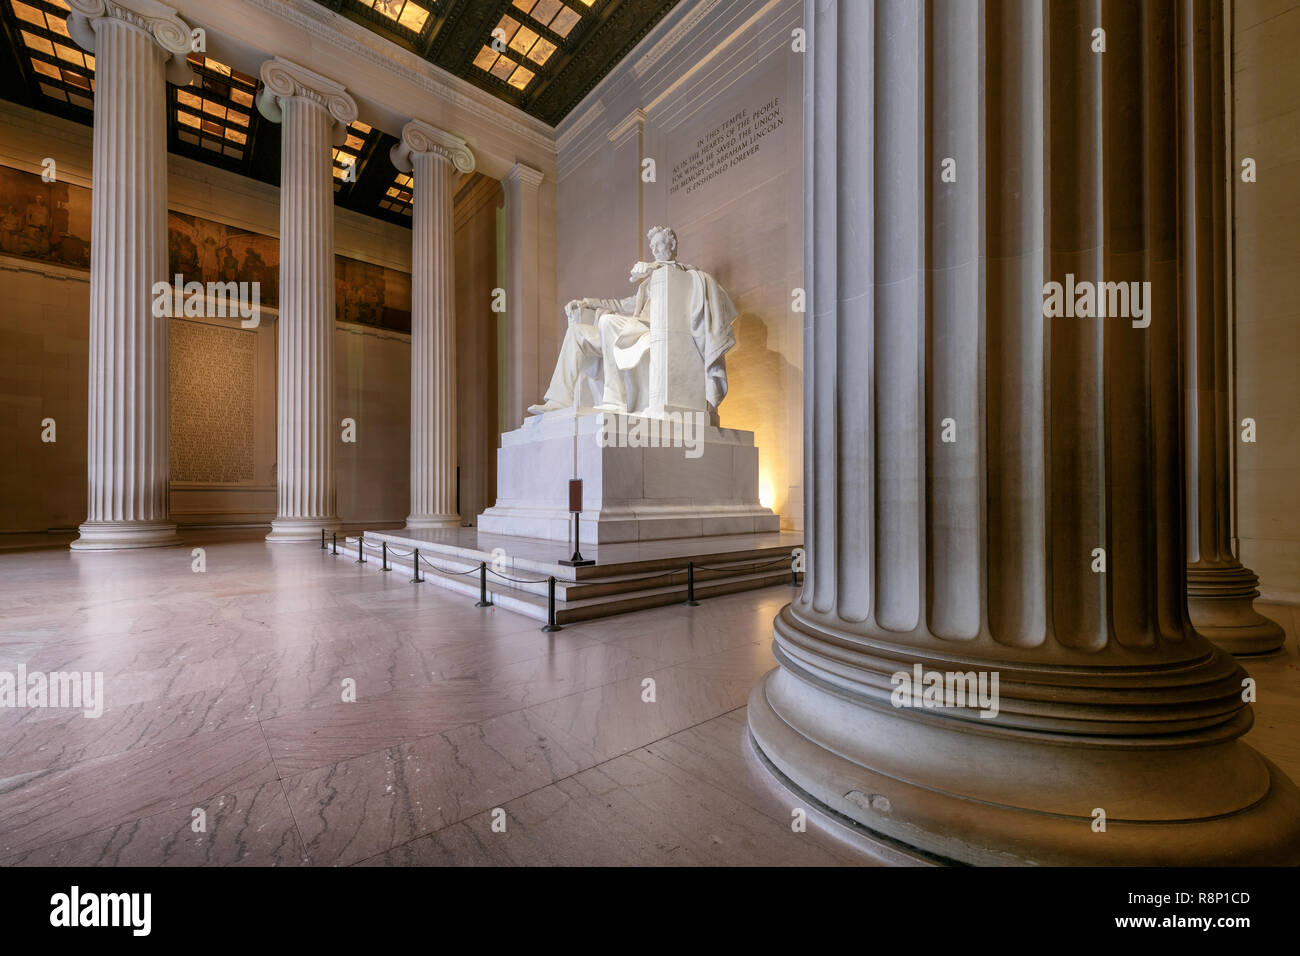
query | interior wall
(713,96)
(44,332)
(1266,128)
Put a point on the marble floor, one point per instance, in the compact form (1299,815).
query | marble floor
(225,737)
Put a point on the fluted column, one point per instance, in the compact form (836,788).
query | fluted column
(128,470)
(523,296)
(311,110)
(1220,591)
(994,493)
(436,158)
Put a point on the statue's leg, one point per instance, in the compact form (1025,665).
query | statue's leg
(580,342)
(615,396)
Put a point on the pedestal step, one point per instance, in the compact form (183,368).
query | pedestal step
(581,594)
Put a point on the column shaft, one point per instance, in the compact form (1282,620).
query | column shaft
(997,485)
(433,347)
(128,466)
(523,304)
(1220,591)
(310,109)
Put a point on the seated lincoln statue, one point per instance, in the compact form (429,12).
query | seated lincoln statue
(658,351)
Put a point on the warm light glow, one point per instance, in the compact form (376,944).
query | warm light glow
(406,12)
(765,495)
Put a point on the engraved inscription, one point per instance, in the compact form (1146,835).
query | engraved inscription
(212,382)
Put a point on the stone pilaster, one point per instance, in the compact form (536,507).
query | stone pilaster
(136,46)
(523,299)
(993,493)
(311,110)
(435,157)
(1220,591)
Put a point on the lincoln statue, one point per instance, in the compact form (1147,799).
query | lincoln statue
(625,352)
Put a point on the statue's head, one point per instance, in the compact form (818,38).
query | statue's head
(663,243)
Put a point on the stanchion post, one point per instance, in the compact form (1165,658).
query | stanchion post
(690,585)
(482,586)
(794,575)
(550,606)
(415,565)
(322,539)
(361,548)
(384,557)
(334,542)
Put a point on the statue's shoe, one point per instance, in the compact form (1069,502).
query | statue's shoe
(543,408)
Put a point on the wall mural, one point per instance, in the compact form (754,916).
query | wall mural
(50,222)
(206,251)
(45,221)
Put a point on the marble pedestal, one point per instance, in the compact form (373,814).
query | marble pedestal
(692,482)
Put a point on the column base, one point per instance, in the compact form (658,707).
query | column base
(1221,604)
(967,793)
(294,530)
(432,522)
(125,535)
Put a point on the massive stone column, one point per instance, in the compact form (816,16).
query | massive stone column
(1220,591)
(137,46)
(992,493)
(436,157)
(312,110)
(523,298)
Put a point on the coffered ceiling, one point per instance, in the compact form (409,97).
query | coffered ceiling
(541,56)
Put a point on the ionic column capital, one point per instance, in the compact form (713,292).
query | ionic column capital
(156,20)
(285,80)
(420,137)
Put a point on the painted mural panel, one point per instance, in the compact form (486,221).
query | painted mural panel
(50,222)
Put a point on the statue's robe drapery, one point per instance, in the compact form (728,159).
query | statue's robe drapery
(608,343)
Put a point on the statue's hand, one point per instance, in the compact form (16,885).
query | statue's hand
(573,311)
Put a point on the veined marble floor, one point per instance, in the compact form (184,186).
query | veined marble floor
(224,694)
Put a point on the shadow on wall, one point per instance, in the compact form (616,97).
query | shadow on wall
(758,378)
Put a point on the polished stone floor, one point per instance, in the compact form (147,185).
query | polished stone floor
(224,694)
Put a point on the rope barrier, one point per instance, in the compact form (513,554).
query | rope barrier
(768,564)
(444,570)
(517,580)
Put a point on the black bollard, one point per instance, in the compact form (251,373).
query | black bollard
(384,559)
(794,575)
(690,585)
(334,542)
(416,566)
(550,606)
(361,548)
(322,539)
(482,586)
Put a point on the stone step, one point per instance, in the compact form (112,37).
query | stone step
(634,589)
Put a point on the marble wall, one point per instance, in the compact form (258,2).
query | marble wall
(713,96)
(43,361)
(1266,128)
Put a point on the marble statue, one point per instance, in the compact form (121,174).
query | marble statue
(658,351)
